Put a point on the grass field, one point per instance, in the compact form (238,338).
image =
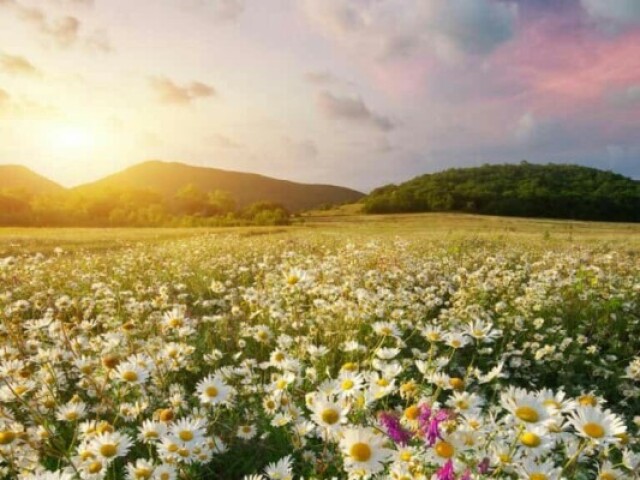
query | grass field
(452,347)
(336,222)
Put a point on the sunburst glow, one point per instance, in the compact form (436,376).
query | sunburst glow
(73,137)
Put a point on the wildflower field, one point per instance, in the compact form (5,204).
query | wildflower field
(418,347)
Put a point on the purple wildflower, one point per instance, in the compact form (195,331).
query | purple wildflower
(446,472)
(391,423)
(483,466)
(431,426)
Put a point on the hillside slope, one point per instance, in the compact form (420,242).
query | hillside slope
(18,177)
(246,188)
(526,190)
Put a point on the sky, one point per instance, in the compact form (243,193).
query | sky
(359,93)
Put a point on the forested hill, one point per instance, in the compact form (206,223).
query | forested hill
(526,190)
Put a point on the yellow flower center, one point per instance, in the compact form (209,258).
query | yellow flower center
(108,450)
(166,415)
(527,414)
(383,382)
(330,416)
(186,435)
(172,448)
(588,400)
(7,437)
(143,472)
(347,384)
(183,452)
(360,452)
(165,476)
(278,357)
(552,403)
(538,476)
(444,449)
(175,322)
(593,430)
(350,367)
(412,412)
(71,416)
(130,376)
(211,391)
(406,456)
(530,439)
(504,458)
(456,383)
(94,467)
(607,476)
(281,385)
(20,389)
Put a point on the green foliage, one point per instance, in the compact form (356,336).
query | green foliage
(525,190)
(130,207)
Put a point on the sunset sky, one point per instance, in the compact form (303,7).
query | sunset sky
(351,92)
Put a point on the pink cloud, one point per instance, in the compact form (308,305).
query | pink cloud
(570,69)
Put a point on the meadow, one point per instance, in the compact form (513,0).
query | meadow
(435,346)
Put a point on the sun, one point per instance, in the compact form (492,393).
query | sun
(72,137)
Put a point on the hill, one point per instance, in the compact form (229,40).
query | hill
(245,188)
(524,190)
(17,177)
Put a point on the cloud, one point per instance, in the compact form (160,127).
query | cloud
(17,65)
(171,93)
(223,141)
(351,109)
(625,97)
(399,28)
(473,27)
(305,149)
(534,131)
(62,31)
(320,78)
(618,11)
(4,99)
(223,10)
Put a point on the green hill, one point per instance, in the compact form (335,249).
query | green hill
(17,177)
(245,188)
(525,190)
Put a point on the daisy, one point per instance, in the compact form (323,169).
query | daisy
(386,329)
(525,407)
(71,411)
(329,416)
(363,451)
(188,431)
(165,472)
(531,469)
(350,383)
(151,431)
(535,440)
(246,432)
(212,390)
(280,470)
(141,470)
(110,445)
(131,373)
(597,425)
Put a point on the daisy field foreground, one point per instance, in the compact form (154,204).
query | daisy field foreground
(322,353)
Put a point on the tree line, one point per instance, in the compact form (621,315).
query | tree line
(525,189)
(129,207)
